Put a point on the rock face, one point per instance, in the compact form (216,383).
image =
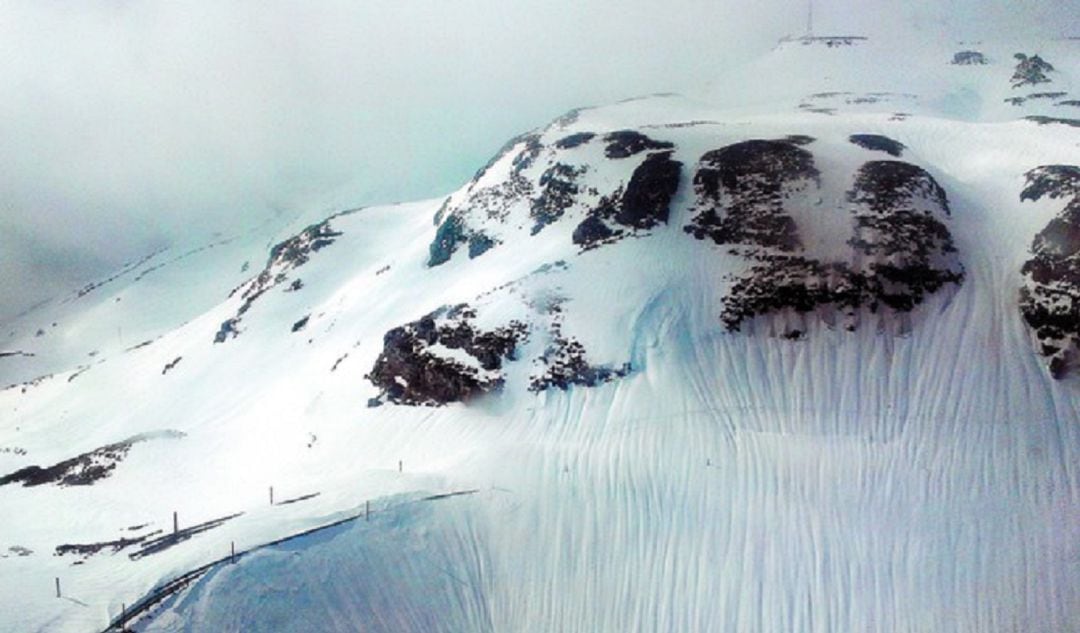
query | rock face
(1050,296)
(878,143)
(285,257)
(901,252)
(740,191)
(969,58)
(443,358)
(536,182)
(1030,71)
(644,204)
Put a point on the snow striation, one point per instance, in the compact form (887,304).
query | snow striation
(798,353)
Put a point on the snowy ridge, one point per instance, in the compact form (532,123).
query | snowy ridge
(863,450)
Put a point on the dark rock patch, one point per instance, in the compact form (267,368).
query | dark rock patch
(647,199)
(1049,120)
(626,143)
(564,364)
(82,470)
(901,253)
(558,188)
(1050,296)
(171,365)
(1052,181)
(301,324)
(408,371)
(574,140)
(480,243)
(86,550)
(969,58)
(447,238)
(285,257)
(591,231)
(1030,71)
(740,191)
(878,143)
(1070,102)
(227,329)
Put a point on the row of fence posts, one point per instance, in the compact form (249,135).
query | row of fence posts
(232,546)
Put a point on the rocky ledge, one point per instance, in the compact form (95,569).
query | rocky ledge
(443,357)
(1050,296)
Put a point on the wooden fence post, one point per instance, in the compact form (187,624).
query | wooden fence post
(367,510)
(232,552)
(175,524)
(57,587)
(271,495)
(399,466)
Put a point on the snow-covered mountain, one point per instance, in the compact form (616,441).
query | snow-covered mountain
(797,353)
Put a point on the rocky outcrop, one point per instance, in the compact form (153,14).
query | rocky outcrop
(878,143)
(1030,71)
(558,190)
(1050,296)
(969,58)
(443,358)
(626,143)
(643,204)
(541,182)
(901,252)
(285,257)
(740,192)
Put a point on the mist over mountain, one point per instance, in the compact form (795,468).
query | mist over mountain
(442,316)
(129,127)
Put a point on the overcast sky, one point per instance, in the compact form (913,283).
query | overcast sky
(125,125)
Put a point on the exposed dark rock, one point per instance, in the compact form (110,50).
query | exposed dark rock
(171,365)
(1050,297)
(741,189)
(409,372)
(566,365)
(647,199)
(626,143)
(528,154)
(1030,71)
(1047,95)
(885,185)
(901,253)
(557,191)
(227,329)
(86,550)
(301,324)
(447,238)
(1070,102)
(878,143)
(574,140)
(592,230)
(1047,120)
(82,470)
(480,243)
(529,139)
(969,58)
(1053,181)
(285,257)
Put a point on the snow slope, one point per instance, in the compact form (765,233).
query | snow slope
(820,470)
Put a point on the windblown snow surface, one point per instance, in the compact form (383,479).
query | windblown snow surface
(855,463)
